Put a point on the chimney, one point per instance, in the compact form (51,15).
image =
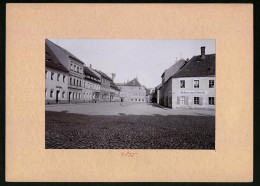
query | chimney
(202,52)
(90,65)
(113,76)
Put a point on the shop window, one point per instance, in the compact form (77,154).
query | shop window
(211,100)
(196,100)
(211,83)
(196,83)
(182,84)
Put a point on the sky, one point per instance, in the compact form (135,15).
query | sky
(145,59)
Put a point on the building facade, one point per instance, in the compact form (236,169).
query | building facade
(132,91)
(91,85)
(56,79)
(74,66)
(192,86)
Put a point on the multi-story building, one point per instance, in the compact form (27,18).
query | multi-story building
(56,79)
(193,86)
(132,91)
(75,68)
(114,92)
(166,85)
(105,86)
(91,85)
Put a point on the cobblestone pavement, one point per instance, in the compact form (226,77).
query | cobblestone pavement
(133,126)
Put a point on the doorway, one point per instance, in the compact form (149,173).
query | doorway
(69,96)
(57,96)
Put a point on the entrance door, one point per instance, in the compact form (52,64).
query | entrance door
(69,96)
(57,96)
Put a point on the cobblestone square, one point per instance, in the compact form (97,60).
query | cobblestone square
(131,126)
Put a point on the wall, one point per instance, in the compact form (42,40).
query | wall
(55,86)
(189,92)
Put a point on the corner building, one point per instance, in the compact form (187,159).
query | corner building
(193,86)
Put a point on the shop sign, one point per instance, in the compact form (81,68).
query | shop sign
(193,92)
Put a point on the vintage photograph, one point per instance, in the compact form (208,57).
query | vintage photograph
(130,93)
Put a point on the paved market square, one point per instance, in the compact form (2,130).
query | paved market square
(128,126)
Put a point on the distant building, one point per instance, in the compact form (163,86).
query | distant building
(132,91)
(74,66)
(193,85)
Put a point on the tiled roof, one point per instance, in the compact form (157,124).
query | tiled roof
(51,60)
(88,71)
(173,69)
(198,67)
(62,54)
(103,75)
(133,82)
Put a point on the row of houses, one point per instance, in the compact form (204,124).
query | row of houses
(188,83)
(69,80)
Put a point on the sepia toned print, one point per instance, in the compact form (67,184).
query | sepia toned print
(107,108)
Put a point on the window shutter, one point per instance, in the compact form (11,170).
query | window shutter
(187,100)
(178,100)
(200,99)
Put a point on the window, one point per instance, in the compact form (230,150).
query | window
(51,94)
(45,74)
(182,100)
(132,99)
(196,100)
(211,83)
(58,77)
(74,82)
(63,94)
(196,83)
(211,100)
(182,83)
(74,67)
(79,96)
(77,69)
(139,100)
(46,93)
(64,78)
(71,66)
(70,80)
(52,75)
(135,99)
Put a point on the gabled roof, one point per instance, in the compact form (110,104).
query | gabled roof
(198,67)
(51,60)
(62,54)
(113,85)
(88,71)
(103,75)
(173,69)
(133,82)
